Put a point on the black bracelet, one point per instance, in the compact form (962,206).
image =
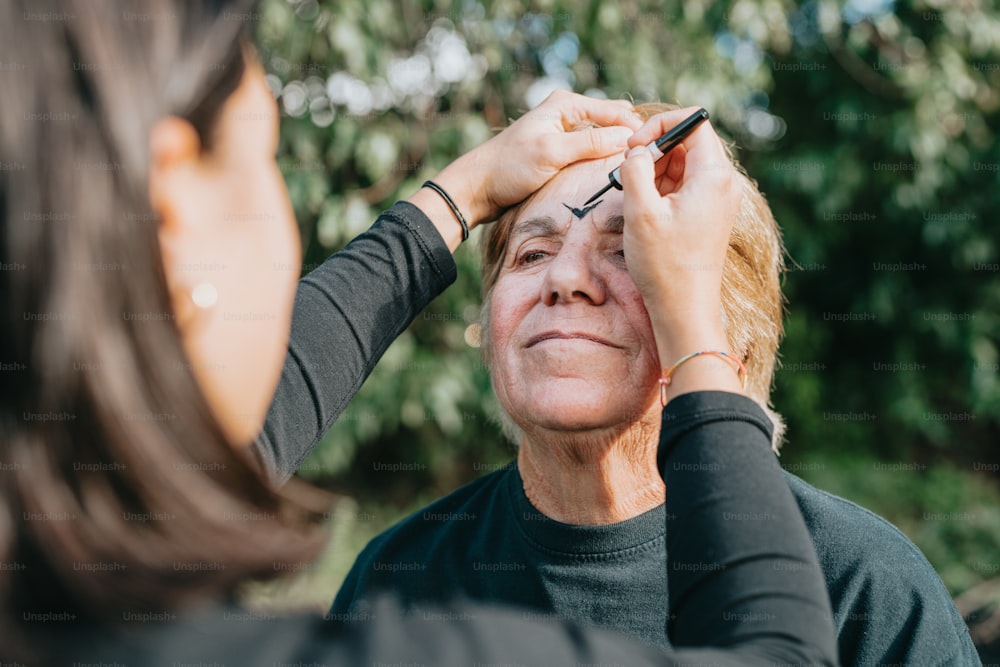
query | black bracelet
(454,209)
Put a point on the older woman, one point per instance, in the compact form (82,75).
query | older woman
(575,529)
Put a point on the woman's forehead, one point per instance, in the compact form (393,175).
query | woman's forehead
(571,187)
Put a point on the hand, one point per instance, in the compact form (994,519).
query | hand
(679,213)
(521,159)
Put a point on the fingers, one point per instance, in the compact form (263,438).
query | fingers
(576,110)
(675,164)
(596,142)
(670,170)
(703,154)
(697,176)
(656,126)
(642,199)
(705,148)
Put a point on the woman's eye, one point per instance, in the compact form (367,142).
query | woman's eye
(531,256)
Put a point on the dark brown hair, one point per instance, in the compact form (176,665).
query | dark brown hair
(118,490)
(752,303)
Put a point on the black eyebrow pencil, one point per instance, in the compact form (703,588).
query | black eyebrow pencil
(658,148)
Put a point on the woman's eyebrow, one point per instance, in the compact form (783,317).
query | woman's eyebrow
(614,224)
(538,226)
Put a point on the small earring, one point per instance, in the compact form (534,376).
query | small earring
(204,295)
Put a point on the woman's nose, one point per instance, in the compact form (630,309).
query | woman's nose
(571,276)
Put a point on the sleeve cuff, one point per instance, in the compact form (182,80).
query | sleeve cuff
(695,409)
(427,236)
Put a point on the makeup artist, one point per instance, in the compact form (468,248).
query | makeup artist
(145,328)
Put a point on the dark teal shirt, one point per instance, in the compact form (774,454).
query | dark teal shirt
(486,541)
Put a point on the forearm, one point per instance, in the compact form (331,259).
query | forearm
(742,570)
(347,313)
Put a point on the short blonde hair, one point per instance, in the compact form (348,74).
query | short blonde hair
(752,302)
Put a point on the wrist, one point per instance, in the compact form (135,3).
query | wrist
(439,213)
(438,209)
(704,372)
(460,180)
(681,331)
(689,336)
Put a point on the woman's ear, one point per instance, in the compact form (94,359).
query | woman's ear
(175,158)
(173,145)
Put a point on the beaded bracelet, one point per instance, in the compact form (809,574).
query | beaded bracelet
(454,209)
(665,379)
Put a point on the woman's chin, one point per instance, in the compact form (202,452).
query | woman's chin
(582,410)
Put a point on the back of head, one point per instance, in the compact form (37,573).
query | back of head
(111,454)
(752,302)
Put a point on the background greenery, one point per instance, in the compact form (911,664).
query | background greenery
(870,125)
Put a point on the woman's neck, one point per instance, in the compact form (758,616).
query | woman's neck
(592,479)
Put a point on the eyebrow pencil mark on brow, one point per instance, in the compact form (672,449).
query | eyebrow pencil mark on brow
(580,212)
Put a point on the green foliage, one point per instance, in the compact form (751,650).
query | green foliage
(870,125)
